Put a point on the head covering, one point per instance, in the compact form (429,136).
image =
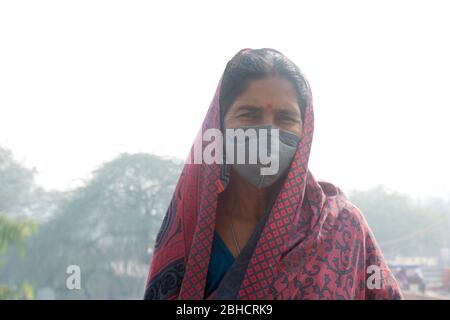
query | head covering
(314,244)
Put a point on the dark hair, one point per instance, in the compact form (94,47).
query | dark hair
(254,64)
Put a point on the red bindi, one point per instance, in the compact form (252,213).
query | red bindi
(269,105)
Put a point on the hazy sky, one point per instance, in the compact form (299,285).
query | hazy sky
(81,81)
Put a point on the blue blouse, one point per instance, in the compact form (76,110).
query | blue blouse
(221,259)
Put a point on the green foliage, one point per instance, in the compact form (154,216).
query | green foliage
(26,292)
(16,193)
(106,227)
(14,233)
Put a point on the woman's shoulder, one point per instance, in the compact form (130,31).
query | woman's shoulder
(329,188)
(345,207)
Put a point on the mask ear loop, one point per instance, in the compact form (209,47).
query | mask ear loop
(225,174)
(224,167)
(261,181)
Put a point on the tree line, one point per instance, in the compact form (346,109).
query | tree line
(107,227)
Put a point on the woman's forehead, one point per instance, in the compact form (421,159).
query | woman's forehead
(270,91)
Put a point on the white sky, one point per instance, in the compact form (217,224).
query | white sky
(81,81)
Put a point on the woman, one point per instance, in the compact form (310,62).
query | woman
(232,233)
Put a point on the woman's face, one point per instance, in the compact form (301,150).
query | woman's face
(271,100)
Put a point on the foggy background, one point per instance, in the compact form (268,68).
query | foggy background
(98,97)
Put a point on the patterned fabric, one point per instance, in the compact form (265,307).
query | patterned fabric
(315,244)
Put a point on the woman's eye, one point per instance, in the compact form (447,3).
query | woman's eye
(248,115)
(288,119)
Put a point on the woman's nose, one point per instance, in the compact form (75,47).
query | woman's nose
(268,118)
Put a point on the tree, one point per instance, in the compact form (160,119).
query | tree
(105,227)
(16,183)
(14,233)
(401,226)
